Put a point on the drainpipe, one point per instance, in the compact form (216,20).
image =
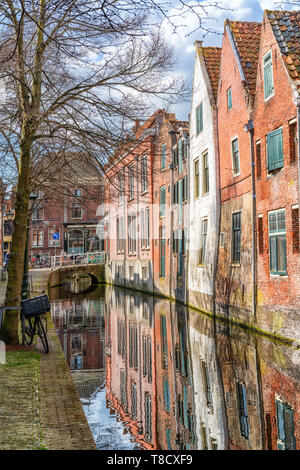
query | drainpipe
(187,225)
(171,227)
(172,134)
(250,128)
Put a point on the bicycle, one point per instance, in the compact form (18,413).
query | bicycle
(33,317)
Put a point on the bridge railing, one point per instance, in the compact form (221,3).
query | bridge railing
(94,257)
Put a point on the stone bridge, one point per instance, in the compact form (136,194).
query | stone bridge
(96,271)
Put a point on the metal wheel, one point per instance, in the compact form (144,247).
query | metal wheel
(28,330)
(41,331)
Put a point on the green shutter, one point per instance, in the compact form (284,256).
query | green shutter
(275,149)
(268,76)
(180,199)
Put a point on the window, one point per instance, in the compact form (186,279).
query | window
(163,157)
(77,192)
(203,241)
(207,385)
(205,174)
(236,238)
(133,400)
(285,426)
(258,160)
(275,149)
(166,394)
(38,214)
(175,193)
(162,252)
(260,236)
(199,119)
(148,418)
(175,156)
(180,155)
(131,182)
(268,75)
(242,409)
(121,181)
(229,99)
(120,235)
(37,238)
(52,241)
(295,229)
(180,199)
(76,211)
(196,178)
(235,157)
(144,174)
(293,141)
(131,233)
(277,242)
(186,188)
(162,201)
(147,227)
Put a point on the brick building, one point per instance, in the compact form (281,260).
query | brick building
(137,205)
(72,214)
(277,173)
(236,93)
(170,187)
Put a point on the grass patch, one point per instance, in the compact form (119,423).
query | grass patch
(21,359)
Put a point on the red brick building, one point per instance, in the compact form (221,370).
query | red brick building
(235,287)
(170,188)
(137,205)
(72,215)
(277,173)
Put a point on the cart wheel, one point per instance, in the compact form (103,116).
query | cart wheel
(27,331)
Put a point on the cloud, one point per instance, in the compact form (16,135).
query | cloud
(183,27)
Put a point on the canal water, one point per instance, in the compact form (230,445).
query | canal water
(152,374)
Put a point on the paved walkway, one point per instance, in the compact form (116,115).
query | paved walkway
(39,404)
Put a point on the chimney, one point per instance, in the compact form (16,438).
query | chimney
(198,44)
(136,126)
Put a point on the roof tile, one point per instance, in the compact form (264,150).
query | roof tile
(212,59)
(286,28)
(246,35)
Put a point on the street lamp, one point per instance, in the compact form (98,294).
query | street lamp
(25,284)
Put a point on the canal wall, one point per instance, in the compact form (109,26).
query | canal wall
(281,325)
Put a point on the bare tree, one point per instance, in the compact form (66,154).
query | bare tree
(75,72)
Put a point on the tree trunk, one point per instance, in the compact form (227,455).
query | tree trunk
(9,331)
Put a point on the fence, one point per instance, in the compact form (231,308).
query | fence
(78,259)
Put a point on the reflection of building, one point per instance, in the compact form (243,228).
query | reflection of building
(281,399)
(174,386)
(238,359)
(148,372)
(130,373)
(80,327)
(210,421)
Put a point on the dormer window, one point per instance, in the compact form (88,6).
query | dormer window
(268,75)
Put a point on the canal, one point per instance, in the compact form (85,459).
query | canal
(152,374)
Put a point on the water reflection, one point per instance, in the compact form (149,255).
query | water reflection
(171,379)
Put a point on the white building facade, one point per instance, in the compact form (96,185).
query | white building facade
(204,179)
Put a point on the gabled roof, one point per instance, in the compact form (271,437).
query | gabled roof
(212,59)
(286,29)
(246,36)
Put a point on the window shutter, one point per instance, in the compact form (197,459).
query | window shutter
(268,76)
(275,149)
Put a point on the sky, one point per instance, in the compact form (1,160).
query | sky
(187,32)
